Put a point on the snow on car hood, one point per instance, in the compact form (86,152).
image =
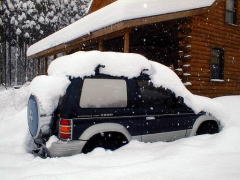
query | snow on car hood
(130,65)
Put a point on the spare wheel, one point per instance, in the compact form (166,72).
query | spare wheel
(38,123)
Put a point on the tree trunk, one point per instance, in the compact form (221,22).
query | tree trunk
(10,63)
(1,63)
(25,62)
(16,63)
(5,61)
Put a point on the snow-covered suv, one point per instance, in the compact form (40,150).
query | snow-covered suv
(94,99)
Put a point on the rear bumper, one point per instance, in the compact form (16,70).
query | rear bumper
(61,148)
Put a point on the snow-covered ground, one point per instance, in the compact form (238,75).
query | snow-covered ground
(201,157)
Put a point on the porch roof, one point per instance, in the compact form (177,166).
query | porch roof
(117,16)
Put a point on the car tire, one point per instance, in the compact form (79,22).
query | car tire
(208,127)
(107,140)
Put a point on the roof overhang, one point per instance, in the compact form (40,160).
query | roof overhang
(103,29)
(117,27)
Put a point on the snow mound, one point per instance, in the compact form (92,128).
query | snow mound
(130,65)
(18,100)
(205,157)
(81,64)
(48,90)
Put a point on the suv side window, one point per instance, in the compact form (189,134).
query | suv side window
(154,97)
(160,99)
(104,93)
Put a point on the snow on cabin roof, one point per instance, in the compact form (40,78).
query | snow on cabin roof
(118,11)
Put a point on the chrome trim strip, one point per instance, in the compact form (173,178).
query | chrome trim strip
(136,116)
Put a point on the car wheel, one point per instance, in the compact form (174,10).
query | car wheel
(208,127)
(106,140)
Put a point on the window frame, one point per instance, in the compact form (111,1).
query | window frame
(231,14)
(220,54)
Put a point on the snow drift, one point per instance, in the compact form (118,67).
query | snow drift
(205,157)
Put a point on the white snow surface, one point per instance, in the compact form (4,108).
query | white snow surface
(205,157)
(48,90)
(82,63)
(118,11)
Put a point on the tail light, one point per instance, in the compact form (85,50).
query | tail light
(65,129)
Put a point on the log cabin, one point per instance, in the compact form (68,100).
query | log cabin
(198,39)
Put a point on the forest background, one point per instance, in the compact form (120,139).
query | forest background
(24,22)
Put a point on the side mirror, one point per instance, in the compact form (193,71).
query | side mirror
(180,100)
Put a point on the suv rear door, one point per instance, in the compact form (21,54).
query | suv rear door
(105,99)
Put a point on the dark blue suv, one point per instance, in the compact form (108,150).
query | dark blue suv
(106,111)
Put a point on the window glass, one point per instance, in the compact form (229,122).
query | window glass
(230,5)
(161,99)
(217,63)
(154,97)
(104,93)
(231,15)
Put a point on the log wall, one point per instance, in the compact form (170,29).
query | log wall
(209,31)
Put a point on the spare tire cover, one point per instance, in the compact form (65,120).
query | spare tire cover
(33,115)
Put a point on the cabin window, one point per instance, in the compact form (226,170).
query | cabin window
(115,44)
(217,64)
(231,11)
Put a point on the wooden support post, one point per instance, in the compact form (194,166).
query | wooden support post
(127,42)
(100,45)
(55,56)
(38,67)
(45,65)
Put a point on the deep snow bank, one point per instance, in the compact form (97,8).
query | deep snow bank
(13,123)
(13,100)
(205,157)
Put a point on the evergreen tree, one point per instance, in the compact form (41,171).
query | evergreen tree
(22,23)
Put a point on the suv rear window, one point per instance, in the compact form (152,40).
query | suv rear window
(104,93)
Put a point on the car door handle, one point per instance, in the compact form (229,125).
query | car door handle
(150,118)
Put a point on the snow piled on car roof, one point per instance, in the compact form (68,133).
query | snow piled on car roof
(129,65)
(81,64)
